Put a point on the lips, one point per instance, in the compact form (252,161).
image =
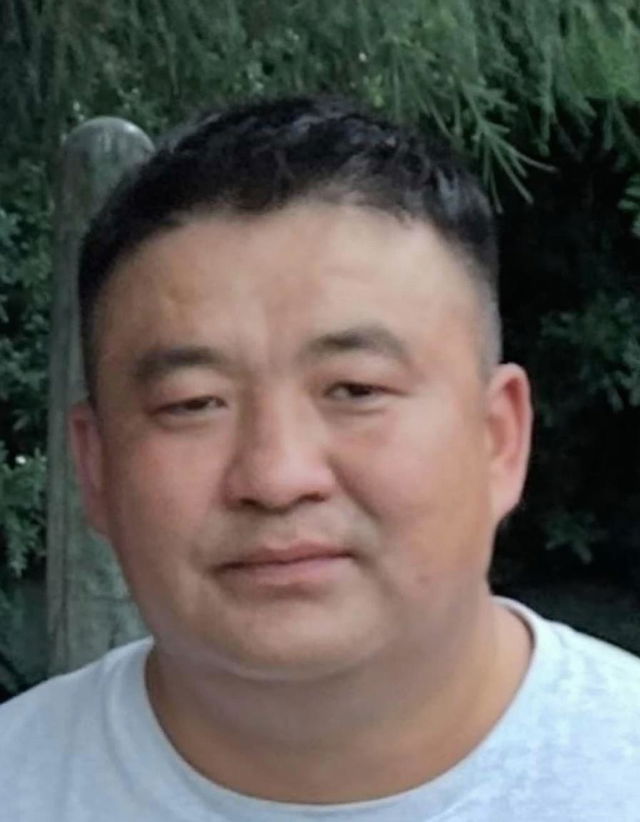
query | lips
(291,554)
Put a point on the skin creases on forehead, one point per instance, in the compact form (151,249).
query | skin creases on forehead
(157,361)
(313,238)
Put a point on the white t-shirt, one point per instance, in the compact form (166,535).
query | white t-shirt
(87,746)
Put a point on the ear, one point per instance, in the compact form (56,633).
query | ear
(509,422)
(87,449)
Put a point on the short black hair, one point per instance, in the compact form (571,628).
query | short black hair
(257,158)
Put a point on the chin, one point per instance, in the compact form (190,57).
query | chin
(307,656)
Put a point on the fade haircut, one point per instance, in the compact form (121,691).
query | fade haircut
(254,159)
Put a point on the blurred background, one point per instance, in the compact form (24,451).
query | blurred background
(542,98)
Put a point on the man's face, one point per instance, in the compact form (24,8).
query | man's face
(295,454)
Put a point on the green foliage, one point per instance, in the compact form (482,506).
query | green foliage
(602,338)
(24,308)
(631,202)
(21,509)
(494,76)
(571,299)
(541,96)
(574,530)
(24,300)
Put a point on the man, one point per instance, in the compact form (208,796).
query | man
(300,441)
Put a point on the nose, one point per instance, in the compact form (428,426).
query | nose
(279,459)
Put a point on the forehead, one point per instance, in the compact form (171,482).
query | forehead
(306,269)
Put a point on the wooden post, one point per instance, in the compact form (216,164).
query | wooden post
(88,607)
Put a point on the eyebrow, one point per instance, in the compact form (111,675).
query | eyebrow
(371,338)
(158,362)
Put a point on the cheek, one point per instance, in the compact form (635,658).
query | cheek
(159,489)
(423,479)
(412,456)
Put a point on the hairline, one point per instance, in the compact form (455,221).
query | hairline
(332,193)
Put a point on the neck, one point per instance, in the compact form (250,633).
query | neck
(375,731)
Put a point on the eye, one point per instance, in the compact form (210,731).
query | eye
(356,391)
(191,406)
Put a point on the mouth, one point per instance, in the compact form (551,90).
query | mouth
(281,566)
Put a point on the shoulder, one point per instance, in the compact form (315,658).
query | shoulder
(573,730)
(573,643)
(589,682)
(605,662)
(50,707)
(608,677)
(57,737)
(597,652)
